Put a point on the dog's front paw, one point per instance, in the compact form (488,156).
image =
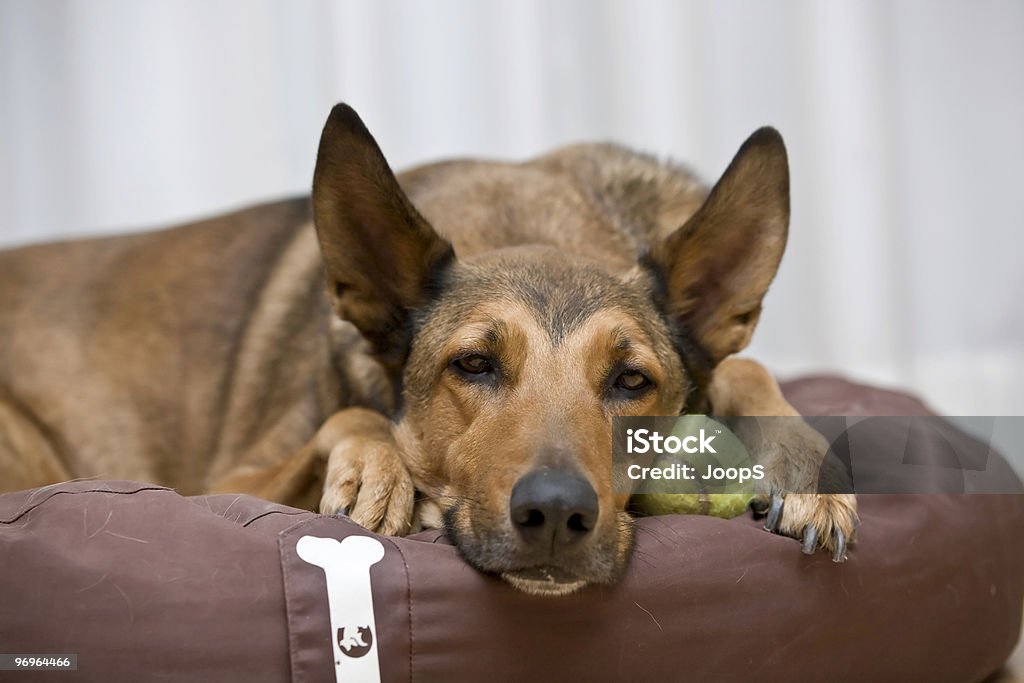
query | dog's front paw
(819,520)
(810,496)
(367,480)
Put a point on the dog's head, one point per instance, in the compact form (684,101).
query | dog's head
(513,360)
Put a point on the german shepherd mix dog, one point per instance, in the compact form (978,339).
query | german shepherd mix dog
(483,323)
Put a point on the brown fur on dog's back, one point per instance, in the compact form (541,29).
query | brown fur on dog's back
(594,200)
(165,355)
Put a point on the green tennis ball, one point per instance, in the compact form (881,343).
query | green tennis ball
(724,505)
(700,497)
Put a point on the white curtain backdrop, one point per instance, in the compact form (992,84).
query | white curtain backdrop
(904,121)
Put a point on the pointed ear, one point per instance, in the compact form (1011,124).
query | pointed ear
(380,254)
(717,267)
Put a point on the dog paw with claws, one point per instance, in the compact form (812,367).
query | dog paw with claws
(818,520)
(367,480)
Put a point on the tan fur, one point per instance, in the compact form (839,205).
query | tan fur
(208,358)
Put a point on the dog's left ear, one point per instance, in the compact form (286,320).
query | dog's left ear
(380,254)
(717,267)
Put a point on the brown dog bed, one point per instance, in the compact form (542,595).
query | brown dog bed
(143,584)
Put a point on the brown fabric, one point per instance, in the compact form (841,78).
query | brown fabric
(143,584)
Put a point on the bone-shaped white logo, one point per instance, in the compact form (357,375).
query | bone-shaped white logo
(346,566)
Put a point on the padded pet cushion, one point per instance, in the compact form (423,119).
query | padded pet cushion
(144,584)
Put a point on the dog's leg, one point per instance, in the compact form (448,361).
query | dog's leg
(795,456)
(355,457)
(365,474)
(295,481)
(27,458)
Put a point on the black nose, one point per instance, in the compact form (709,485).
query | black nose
(552,509)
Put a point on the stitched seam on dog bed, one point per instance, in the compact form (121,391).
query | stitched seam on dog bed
(408,592)
(282,554)
(52,495)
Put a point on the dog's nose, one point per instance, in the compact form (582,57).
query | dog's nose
(552,509)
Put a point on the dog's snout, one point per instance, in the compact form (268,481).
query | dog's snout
(552,509)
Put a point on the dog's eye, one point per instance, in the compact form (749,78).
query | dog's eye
(631,380)
(473,364)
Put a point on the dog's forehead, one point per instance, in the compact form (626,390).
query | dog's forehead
(559,291)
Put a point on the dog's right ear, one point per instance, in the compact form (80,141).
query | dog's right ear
(717,267)
(380,254)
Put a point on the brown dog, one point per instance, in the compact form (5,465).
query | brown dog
(492,331)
